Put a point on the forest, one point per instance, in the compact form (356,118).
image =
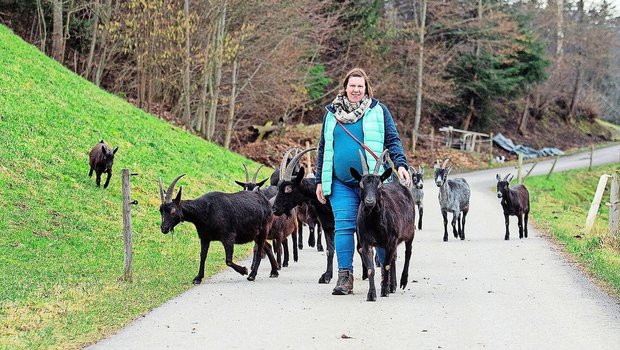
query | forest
(217,67)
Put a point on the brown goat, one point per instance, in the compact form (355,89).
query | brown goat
(101,161)
(515,201)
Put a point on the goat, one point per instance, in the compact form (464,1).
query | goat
(101,161)
(306,214)
(453,197)
(281,226)
(417,191)
(293,192)
(231,218)
(385,218)
(515,201)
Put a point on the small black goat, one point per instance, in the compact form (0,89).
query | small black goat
(231,218)
(295,191)
(515,201)
(453,197)
(385,218)
(101,161)
(417,191)
(306,214)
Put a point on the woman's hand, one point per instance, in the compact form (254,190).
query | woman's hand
(319,194)
(404,175)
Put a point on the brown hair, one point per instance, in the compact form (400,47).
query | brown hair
(356,72)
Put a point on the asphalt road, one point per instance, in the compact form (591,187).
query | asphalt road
(480,293)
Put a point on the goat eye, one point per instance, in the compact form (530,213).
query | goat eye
(173,211)
(288,189)
(361,185)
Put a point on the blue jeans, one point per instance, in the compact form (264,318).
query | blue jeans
(345,200)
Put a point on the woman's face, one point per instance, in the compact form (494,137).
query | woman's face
(356,89)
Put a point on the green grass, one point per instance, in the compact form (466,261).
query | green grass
(560,205)
(61,247)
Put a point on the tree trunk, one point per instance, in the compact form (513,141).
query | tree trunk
(524,116)
(57,37)
(103,58)
(42,27)
(470,115)
(93,40)
(186,70)
(231,107)
(559,49)
(570,116)
(215,88)
(418,98)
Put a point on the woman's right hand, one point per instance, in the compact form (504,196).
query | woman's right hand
(319,194)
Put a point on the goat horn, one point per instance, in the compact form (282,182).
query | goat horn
(445,163)
(171,188)
(364,164)
(247,174)
(256,174)
(506,178)
(283,162)
(289,169)
(161,191)
(383,158)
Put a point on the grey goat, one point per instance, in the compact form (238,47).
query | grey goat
(453,197)
(417,191)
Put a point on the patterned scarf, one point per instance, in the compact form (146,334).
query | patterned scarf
(347,112)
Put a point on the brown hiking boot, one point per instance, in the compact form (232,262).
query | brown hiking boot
(344,285)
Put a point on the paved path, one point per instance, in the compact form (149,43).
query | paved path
(481,293)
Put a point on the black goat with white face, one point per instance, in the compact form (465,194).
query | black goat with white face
(515,201)
(101,160)
(231,218)
(385,218)
(293,191)
(417,191)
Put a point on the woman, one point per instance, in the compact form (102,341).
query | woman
(353,117)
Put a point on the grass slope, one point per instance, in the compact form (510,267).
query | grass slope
(61,247)
(560,206)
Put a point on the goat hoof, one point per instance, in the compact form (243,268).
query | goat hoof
(325,279)
(384,293)
(445,239)
(300,247)
(372,296)
(196,281)
(506,238)
(251,278)
(244,271)
(285,264)
(319,248)
(274,274)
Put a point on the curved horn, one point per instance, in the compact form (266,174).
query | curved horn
(161,192)
(247,174)
(171,188)
(506,178)
(445,163)
(382,159)
(256,174)
(291,166)
(283,162)
(364,164)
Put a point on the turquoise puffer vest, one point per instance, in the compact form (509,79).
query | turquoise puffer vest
(374,132)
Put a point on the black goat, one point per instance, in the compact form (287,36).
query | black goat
(515,201)
(417,191)
(282,226)
(293,192)
(231,218)
(306,214)
(101,161)
(385,218)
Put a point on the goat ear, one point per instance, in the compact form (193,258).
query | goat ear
(386,174)
(259,184)
(240,184)
(356,175)
(498,178)
(509,178)
(300,175)
(116,149)
(448,170)
(178,197)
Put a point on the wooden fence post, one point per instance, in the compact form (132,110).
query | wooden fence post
(491,148)
(553,166)
(591,156)
(529,171)
(596,202)
(614,207)
(127,235)
(519,166)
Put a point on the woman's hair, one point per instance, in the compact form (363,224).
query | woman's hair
(356,72)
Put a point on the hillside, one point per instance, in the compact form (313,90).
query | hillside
(61,248)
